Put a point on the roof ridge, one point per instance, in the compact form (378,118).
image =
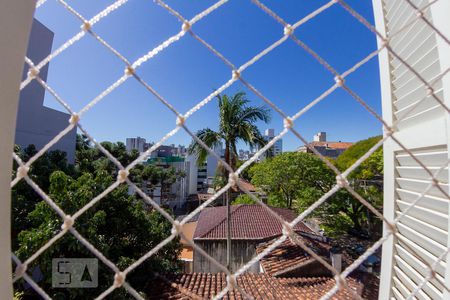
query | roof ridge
(222,220)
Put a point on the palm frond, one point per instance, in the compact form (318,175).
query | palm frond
(255,113)
(210,138)
(250,135)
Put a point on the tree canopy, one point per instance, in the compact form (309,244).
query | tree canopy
(296,180)
(354,152)
(120,226)
(292,177)
(348,213)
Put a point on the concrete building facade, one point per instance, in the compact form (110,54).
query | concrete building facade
(36,123)
(136,143)
(201,176)
(277,148)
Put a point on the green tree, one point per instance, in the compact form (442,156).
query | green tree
(292,177)
(24,198)
(348,213)
(353,153)
(120,225)
(243,199)
(236,123)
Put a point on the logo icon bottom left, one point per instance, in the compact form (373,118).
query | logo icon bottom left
(74,272)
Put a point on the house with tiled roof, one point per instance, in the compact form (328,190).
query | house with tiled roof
(324,147)
(253,286)
(251,225)
(186,255)
(291,260)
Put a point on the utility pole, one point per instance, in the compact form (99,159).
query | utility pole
(227,196)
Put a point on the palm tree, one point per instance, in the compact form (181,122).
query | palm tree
(236,123)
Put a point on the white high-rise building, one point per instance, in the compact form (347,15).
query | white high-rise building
(137,143)
(277,148)
(200,176)
(320,137)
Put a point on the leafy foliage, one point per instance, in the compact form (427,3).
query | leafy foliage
(296,180)
(348,213)
(243,199)
(353,153)
(24,197)
(120,226)
(292,177)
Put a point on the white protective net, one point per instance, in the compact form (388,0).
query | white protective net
(131,70)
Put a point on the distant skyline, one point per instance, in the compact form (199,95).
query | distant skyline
(186,72)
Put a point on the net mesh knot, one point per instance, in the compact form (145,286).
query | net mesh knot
(68,222)
(288,123)
(186,26)
(122,176)
(341,181)
(231,281)
(86,26)
(288,30)
(180,120)
(235,74)
(33,72)
(129,71)
(20,270)
(340,282)
(339,81)
(287,230)
(119,279)
(176,228)
(22,171)
(233,179)
(389,130)
(74,118)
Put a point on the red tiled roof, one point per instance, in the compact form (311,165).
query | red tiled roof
(332,145)
(247,222)
(258,286)
(289,256)
(245,184)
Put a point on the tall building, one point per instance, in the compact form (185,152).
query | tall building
(320,137)
(324,147)
(36,123)
(244,155)
(136,143)
(277,148)
(201,176)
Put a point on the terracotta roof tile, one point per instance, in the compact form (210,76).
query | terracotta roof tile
(245,184)
(247,222)
(258,286)
(289,256)
(332,145)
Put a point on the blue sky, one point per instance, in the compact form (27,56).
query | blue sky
(186,72)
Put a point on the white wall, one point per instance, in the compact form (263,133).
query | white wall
(193,170)
(15,23)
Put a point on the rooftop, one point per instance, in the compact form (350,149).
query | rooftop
(258,286)
(251,222)
(288,256)
(332,145)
